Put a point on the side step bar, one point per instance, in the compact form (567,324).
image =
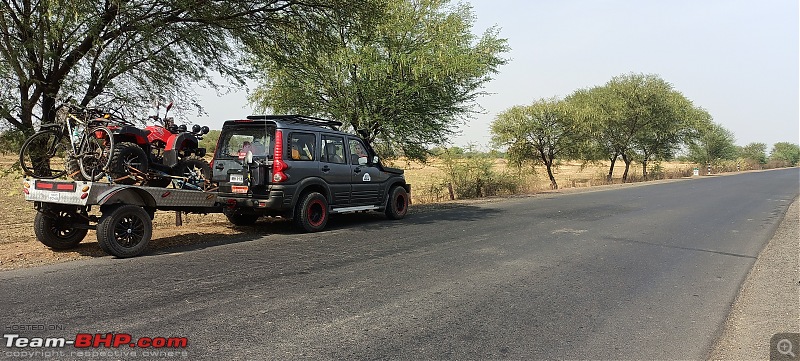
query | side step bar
(354,209)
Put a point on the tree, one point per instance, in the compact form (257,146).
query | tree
(756,152)
(635,117)
(407,77)
(128,52)
(541,132)
(712,144)
(786,152)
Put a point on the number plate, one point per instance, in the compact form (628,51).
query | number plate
(237,178)
(53,197)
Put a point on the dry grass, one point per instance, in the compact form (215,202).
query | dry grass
(19,247)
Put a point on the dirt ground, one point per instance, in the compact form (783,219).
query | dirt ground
(19,247)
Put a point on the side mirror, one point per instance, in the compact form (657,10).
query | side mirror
(248,158)
(362,160)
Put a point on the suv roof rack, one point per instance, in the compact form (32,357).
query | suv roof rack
(302,119)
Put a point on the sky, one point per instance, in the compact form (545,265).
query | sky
(737,59)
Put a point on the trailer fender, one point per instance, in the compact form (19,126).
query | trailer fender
(128,195)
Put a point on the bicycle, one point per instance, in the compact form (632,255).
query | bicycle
(61,149)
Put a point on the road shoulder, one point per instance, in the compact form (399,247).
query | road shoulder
(769,300)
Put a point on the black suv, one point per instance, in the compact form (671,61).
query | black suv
(301,168)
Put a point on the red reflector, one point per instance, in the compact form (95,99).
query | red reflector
(44,185)
(239,189)
(83,196)
(25,190)
(165,194)
(65,187)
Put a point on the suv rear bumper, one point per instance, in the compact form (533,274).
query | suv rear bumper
(274,203)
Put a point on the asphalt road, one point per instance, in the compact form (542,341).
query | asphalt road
(640,272)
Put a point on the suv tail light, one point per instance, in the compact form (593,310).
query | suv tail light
(278,165)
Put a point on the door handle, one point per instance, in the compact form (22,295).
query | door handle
(357,170)
(326,169)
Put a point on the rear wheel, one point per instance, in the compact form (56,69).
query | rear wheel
(124,230)
(95,153)
(60,228)
(397,205)
(239,219)
(196,171)
(311,212)
(127,161)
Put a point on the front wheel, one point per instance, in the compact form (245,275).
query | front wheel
(124,230)
(196,172)
(397,205)
(311,212)
(127,161)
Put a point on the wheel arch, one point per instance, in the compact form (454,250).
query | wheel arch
(128,195)
(311,185)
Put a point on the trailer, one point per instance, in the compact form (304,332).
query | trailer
(125,223)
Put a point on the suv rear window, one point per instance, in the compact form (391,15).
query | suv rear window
(236,142)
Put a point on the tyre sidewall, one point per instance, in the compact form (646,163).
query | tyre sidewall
(392,210)
(43,225)
(111,218)
(304,212)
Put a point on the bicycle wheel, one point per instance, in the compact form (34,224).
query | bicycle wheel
(44,154)
(95,153)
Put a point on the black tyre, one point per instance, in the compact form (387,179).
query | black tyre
(94,155)
(44,154)
(397,205)
(311,212)
(127,155)
(239,219)
(196,170)
(60,229)
(124,230)
(74,169)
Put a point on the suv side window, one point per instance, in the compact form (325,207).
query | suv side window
(302,146)
(357,150)
(333,149)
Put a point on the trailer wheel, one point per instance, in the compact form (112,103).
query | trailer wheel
(311,212)
(124,230)
(57,229)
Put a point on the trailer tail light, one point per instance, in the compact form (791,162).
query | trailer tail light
(55,186)
(278,165)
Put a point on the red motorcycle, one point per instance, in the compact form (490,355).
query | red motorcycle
(160,154)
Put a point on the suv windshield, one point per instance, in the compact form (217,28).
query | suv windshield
(236,143)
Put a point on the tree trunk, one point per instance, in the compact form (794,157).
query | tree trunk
(553,184)
(644,169)
(611,169)
(627,167)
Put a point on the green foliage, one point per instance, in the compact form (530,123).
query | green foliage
(129,52)
(785,152)
(473,175)
(11,141)
(407,75)
(756,152)
(635,116)
(713,143)
(209,141)
(541,133)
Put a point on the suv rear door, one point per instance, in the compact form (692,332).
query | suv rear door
(233,144)
(334,169)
